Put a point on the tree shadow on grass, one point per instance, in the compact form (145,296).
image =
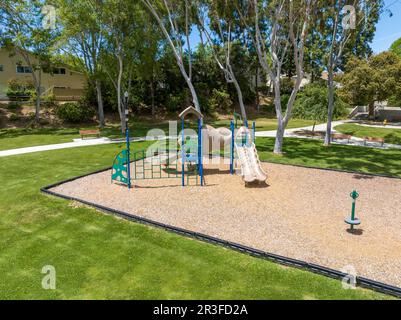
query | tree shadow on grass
(348,158)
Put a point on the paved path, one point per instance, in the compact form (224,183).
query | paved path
(75,144)
(354,141)
(290,133)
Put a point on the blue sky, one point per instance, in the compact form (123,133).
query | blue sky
(388,28)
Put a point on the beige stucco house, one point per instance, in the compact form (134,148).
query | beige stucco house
(64,83)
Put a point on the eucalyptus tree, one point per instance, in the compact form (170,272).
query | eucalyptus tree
(82,37)
(217,20)
(121,26)
(277,26)
(173,17)
(25,31)
(344,29)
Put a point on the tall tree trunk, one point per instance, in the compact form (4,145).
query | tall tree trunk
(257,89)
(239,93)
(100,103)
(278,144)
(37,105)
(119,104)
(152,96)
(371,110)
(38,96)
(330,86)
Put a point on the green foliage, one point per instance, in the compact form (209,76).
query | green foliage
(287,85)
(13,105)
(14,117)
(395,101)
(376,79)
(220,101)
(48,100)
(396,47)
(74,112)
(312,102)
(177,101)
(20,90)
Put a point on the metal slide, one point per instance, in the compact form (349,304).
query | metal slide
(248,158)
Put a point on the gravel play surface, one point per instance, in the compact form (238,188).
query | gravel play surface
(298,214)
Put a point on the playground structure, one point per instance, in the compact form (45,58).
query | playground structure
(184,158)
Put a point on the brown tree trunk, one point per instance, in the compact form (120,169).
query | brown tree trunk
(330,87)
(152,96)
(100,103)
(371,110)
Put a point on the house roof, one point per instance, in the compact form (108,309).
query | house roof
(58,65)
(190,110)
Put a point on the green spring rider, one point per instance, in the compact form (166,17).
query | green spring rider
(353,221)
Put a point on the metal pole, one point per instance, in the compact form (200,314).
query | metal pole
(127,141)
(182,153)
(232,148)
(200,156)
(254,131)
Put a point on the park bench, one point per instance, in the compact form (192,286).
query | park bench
(87,133)
(341,136)
(370,139)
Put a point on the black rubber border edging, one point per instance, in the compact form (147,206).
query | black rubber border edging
(335,274)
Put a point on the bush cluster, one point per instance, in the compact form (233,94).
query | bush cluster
(74,112)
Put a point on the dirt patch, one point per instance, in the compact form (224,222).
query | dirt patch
(299,213)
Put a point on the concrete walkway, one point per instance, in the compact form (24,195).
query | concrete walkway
(354,141)
(75,144)
(289,133)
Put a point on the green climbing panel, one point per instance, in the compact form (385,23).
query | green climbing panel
(119,169)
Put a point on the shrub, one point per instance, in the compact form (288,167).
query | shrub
(312,103)
(14,117)
(74,112)
(13,105)
(20,90)
(287,85)
(46,100)
(220,100)
(176,102)
(395,101)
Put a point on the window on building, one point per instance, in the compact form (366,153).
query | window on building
(24,69)
(1,68)
(59,71)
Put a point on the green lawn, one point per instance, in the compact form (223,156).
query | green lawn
(19,138)
(312,153)
(100,256)
(390,135)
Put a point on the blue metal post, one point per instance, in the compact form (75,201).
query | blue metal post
(254,131)
(128,149)
(182,153)
(200,156)
(232,127)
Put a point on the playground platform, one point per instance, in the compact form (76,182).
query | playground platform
(299,214)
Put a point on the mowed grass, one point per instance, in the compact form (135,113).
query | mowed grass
(98,256)
(392,136)
(27,137)
(312,153)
